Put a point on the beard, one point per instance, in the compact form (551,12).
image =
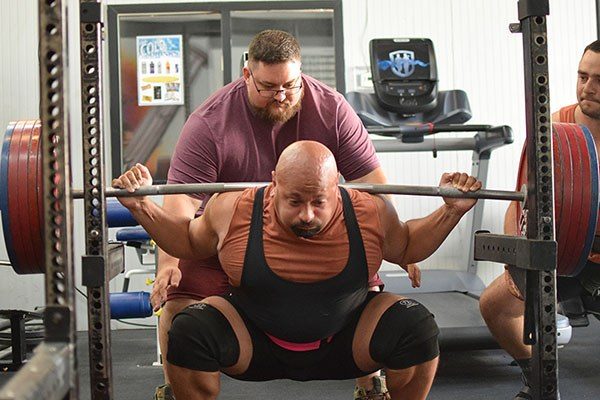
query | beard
(305,230)
(278,112)
(590,108)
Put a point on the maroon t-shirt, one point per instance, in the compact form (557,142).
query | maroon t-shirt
(224,141)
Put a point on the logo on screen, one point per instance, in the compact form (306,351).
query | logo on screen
(402,63)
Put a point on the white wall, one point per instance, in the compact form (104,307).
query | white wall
(19,84)
(475,52)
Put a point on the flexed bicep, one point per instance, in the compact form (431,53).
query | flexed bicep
(203,238)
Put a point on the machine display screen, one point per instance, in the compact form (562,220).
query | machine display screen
(403,60)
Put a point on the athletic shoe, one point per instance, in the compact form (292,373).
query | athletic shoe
(379,391)
(164,392)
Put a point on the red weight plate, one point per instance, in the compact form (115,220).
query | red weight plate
(40,188)
(40,191)
(563,162)
(36,228)
(573,234)
(563,191)
(563,175)
(562,186)
(583,192)
(13,203)
(521,175)
(521,180)
(579,203)
(27,266)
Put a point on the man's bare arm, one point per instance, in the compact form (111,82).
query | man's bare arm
(180,235)
(417,239)
(184,206)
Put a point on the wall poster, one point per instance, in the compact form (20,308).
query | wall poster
(159,70)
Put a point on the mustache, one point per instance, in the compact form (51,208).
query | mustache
(305,230)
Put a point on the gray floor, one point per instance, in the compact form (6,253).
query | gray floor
(476,375)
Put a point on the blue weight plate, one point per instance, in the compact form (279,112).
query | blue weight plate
(593,194)
(18,236)
(4,190)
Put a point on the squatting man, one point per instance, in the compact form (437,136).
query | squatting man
(299,253)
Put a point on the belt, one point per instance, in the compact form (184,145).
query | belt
(293,346)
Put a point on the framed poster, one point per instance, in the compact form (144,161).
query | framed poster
(159,70)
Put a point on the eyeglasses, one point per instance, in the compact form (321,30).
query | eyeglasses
(270,93)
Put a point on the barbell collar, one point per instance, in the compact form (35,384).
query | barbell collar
(198,188)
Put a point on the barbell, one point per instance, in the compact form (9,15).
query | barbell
(21,197)
(190,188)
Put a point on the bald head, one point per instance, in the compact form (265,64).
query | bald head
(307,163)
(305,188)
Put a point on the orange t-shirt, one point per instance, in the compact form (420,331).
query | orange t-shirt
(301,259)
(567,114)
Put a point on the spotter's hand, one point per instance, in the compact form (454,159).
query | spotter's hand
(167,277)
(414,274)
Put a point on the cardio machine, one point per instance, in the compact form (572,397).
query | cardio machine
(407,106)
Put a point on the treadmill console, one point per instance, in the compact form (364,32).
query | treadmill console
(404,74)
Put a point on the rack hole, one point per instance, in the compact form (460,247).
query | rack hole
(51,29)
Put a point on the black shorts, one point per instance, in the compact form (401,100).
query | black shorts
(202,339)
